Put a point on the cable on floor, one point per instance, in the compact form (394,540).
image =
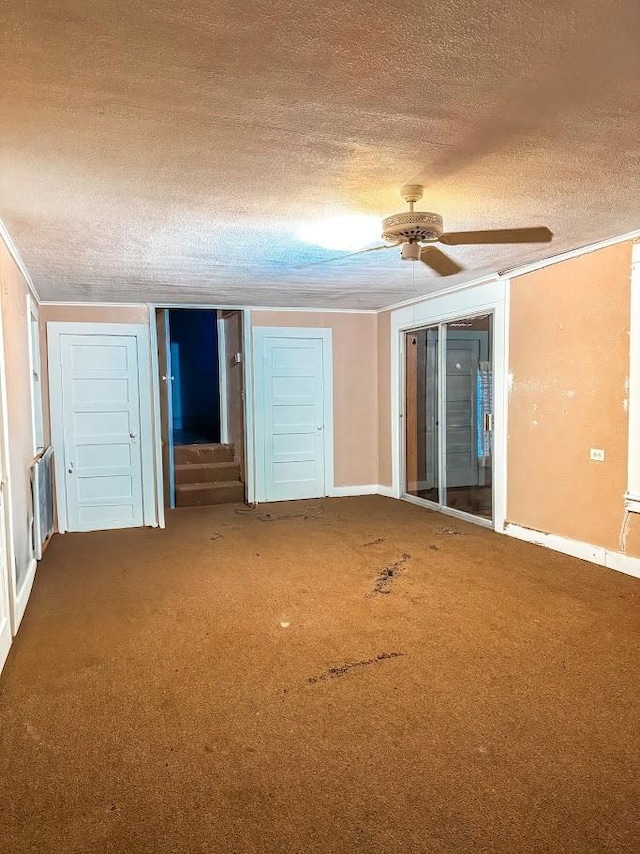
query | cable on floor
(243,510)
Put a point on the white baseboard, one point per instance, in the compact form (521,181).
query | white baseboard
(6,639)
(359,489)
(585,551)
(362,489)
(22,596)
(388,491)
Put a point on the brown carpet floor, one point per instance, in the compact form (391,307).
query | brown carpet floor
(376,678)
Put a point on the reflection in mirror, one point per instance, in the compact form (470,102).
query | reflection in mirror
(421,414)
(468,441)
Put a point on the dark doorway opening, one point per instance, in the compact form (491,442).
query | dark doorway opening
(201,405)
(193,337)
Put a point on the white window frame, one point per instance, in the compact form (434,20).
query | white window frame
(632,496)
(35,376)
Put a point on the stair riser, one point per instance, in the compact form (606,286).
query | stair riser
(194,473)
(184,454)
(232,494)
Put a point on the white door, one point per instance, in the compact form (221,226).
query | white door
(293,385)
(5,603)
(5,622)
(101,431)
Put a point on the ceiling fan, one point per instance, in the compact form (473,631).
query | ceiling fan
(417,232)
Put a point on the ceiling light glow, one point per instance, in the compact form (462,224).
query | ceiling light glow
(342,232)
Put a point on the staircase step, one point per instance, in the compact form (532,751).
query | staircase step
(226,492)
(205,453)
(207,472)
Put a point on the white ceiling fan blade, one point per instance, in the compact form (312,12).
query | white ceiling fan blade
(438,261)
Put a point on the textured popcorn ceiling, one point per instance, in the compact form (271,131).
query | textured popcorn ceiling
(170,151)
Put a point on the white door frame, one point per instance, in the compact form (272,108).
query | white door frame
(157,415)
(307,332)
(249,410)
(35,377)
(247,402)
(8,572)
(18,596)
(157,421)
(141,333)
(488,298)
(222,379)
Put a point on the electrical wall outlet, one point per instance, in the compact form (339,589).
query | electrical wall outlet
(597,454)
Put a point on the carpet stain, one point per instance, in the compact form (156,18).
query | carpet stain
(388,575)
(336,672)
(263,514)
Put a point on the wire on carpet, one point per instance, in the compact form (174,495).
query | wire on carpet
(243,510)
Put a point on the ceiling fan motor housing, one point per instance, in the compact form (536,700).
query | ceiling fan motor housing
(413,226)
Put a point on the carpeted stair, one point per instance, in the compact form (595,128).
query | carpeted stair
(207,474)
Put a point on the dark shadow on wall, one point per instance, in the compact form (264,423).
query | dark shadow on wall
(194,361)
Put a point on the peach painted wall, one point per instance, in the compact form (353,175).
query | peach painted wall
(385,476)
(569,360)
(355,387)
(94,313)
(13,295)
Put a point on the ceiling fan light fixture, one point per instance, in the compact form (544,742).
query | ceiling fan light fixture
(410,251)
(424,226)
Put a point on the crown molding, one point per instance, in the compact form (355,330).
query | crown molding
(209,306)
(510,272)
(15,254)
(85,304)
(464,286)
